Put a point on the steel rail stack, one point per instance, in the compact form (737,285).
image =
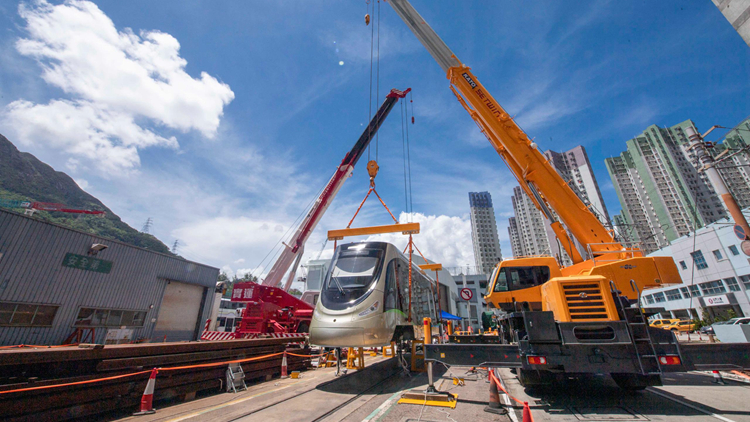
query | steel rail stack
(185,370)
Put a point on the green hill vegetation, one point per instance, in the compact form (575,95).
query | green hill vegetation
(24,178)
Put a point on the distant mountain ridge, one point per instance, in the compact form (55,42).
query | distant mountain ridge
(24,177)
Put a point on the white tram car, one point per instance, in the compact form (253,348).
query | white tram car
(364,299)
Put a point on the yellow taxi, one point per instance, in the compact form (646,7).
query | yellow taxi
(682,326)
(662,323)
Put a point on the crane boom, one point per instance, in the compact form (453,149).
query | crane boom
(292,253)
(537,177)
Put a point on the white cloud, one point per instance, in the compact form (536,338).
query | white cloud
(220,239)
(443,239)
(82,183)
(115,79)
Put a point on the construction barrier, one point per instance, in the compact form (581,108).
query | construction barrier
(526,409)
(172,368)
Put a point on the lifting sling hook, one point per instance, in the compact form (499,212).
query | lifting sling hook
(372,170)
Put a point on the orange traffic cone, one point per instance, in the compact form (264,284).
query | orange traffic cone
(283,366)
(148,396)
(493,406)
(527,413)
(718,379)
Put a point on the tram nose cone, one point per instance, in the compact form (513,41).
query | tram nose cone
(330,336)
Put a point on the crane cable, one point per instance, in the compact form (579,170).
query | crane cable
(408,202)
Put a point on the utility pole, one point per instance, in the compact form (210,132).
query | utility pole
(708,165)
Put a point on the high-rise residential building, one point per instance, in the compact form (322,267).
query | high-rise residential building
(737,12)
(516,245)
(534,233)
(529,228)
(732,157)
(575,168)
(662,193)
(484,232)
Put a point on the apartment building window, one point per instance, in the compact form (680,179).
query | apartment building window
(718,255)
(673,294)
(659,297)
(26,314)
(695,291)
(733,249)
(745,279)
(700,261)
(649,299)
(685,292)
(732,284)
(683,265)
(713,287)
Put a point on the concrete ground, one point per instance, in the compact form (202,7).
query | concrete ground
(371,395)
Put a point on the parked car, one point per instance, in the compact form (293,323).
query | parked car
(709,329)
(738,321)
(662,323)
(682,326)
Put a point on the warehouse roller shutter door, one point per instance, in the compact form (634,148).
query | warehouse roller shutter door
(180,312)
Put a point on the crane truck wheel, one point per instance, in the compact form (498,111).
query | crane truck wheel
(303,327)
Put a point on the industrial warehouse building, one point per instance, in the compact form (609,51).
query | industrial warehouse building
(55,282)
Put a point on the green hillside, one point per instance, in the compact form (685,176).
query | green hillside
(23,177)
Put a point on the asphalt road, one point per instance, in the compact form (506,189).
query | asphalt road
(371,395)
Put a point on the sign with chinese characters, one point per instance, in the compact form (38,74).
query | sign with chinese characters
(243,292)
(717,300)
(87,263)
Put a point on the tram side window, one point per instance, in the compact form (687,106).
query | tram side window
(391,291)
(403,279)
(516,278)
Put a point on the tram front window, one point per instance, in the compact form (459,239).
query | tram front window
(350,277)
(517,278)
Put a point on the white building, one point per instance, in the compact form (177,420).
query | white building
(484,231)
(714,271)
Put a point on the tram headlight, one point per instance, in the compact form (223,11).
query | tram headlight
(371,309)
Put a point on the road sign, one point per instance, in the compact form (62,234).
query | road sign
(739,232)
(466,294)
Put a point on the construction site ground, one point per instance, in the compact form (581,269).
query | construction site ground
(372,394)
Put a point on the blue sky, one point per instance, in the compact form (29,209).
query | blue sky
(222,120)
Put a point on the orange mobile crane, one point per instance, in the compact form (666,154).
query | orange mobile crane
(564,320)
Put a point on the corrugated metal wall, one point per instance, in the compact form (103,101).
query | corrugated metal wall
(31,271)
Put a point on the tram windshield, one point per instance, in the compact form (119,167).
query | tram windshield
(517,278)
(352,274)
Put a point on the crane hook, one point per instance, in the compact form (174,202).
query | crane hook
(372,170)
(367,19)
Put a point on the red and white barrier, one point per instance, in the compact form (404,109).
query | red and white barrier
(221,335)
(147,400)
